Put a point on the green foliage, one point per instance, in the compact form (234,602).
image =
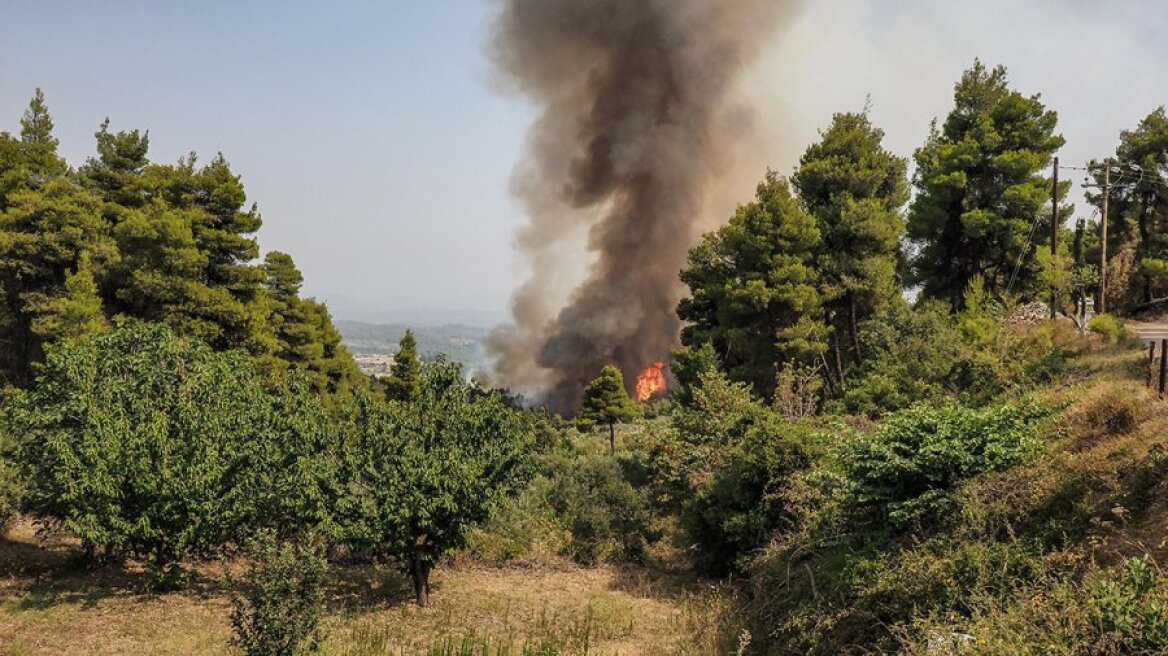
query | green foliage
(420,475)
(580,506)
(754,288)
(404,382)
(1133,608)
(723,467)
(606,402)
(11,488)
(144,443)
(1138,210)
(854,188)
(608,519)
(979,189)
(903,475)
(173,244)
(688,364)
(278,607)
(1108,327)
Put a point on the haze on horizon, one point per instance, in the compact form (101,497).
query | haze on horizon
(379,144)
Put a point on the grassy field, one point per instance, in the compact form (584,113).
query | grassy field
(48,606)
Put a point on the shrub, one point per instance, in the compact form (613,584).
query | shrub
(525,528)
(1108,327)
(277,609)
(737,509)
(608,518)
(905,472)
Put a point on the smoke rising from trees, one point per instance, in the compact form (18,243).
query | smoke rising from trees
(639,118)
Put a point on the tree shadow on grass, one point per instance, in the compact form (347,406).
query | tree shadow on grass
(362,588)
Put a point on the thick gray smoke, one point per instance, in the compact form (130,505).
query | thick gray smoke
(638,120)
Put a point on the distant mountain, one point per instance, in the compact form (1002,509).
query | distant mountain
(459,342)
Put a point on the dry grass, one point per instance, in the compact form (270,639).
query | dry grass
(47,606)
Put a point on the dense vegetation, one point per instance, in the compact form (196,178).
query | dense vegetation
(870,474)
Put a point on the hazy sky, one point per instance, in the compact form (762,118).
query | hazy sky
(379,148)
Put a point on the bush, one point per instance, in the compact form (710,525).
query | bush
(905,472)
(608,518)
(525,529)
(739,507)
(1107,327)
(277,609)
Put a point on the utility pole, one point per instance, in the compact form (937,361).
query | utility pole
(1054,228)
(1103,245)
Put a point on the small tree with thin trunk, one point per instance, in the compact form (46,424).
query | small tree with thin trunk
(607,402)
(422,473)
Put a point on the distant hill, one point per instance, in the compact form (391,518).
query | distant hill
(459,342)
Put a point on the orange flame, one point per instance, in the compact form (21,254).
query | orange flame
(651,382)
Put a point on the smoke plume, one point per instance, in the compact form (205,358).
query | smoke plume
(639,118)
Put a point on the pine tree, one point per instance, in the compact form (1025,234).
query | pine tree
(43,234)
(1138,212)
(405,375)
(607,402)
(753,289)
(76,312)
(854,187)
(980,191)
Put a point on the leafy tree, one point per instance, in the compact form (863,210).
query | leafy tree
(31,161)
(278,609)
(607,402)
(854,187)
(404,381)
(753,288)
(980,191)
(145,443)
(1138,212)
(421,474)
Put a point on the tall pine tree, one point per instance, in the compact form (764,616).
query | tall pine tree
(980,190)
(754,289)
(855,188)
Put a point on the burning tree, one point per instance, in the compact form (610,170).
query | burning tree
(607,402)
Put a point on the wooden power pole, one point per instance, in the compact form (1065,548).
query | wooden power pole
(1103,244)
(1054,228)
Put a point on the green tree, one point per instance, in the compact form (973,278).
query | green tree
(77,312)
(753,288)
(855,188)
(1138,212)
(607,402)
(404,381)
(305,337)
(421,474)
(31,161)
(43,234)
(980,191)
(145,443)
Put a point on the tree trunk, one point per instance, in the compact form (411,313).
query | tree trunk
(855,331)
(421,581)
(612,439)
(839,363)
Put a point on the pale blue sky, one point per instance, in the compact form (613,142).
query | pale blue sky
(380,152)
